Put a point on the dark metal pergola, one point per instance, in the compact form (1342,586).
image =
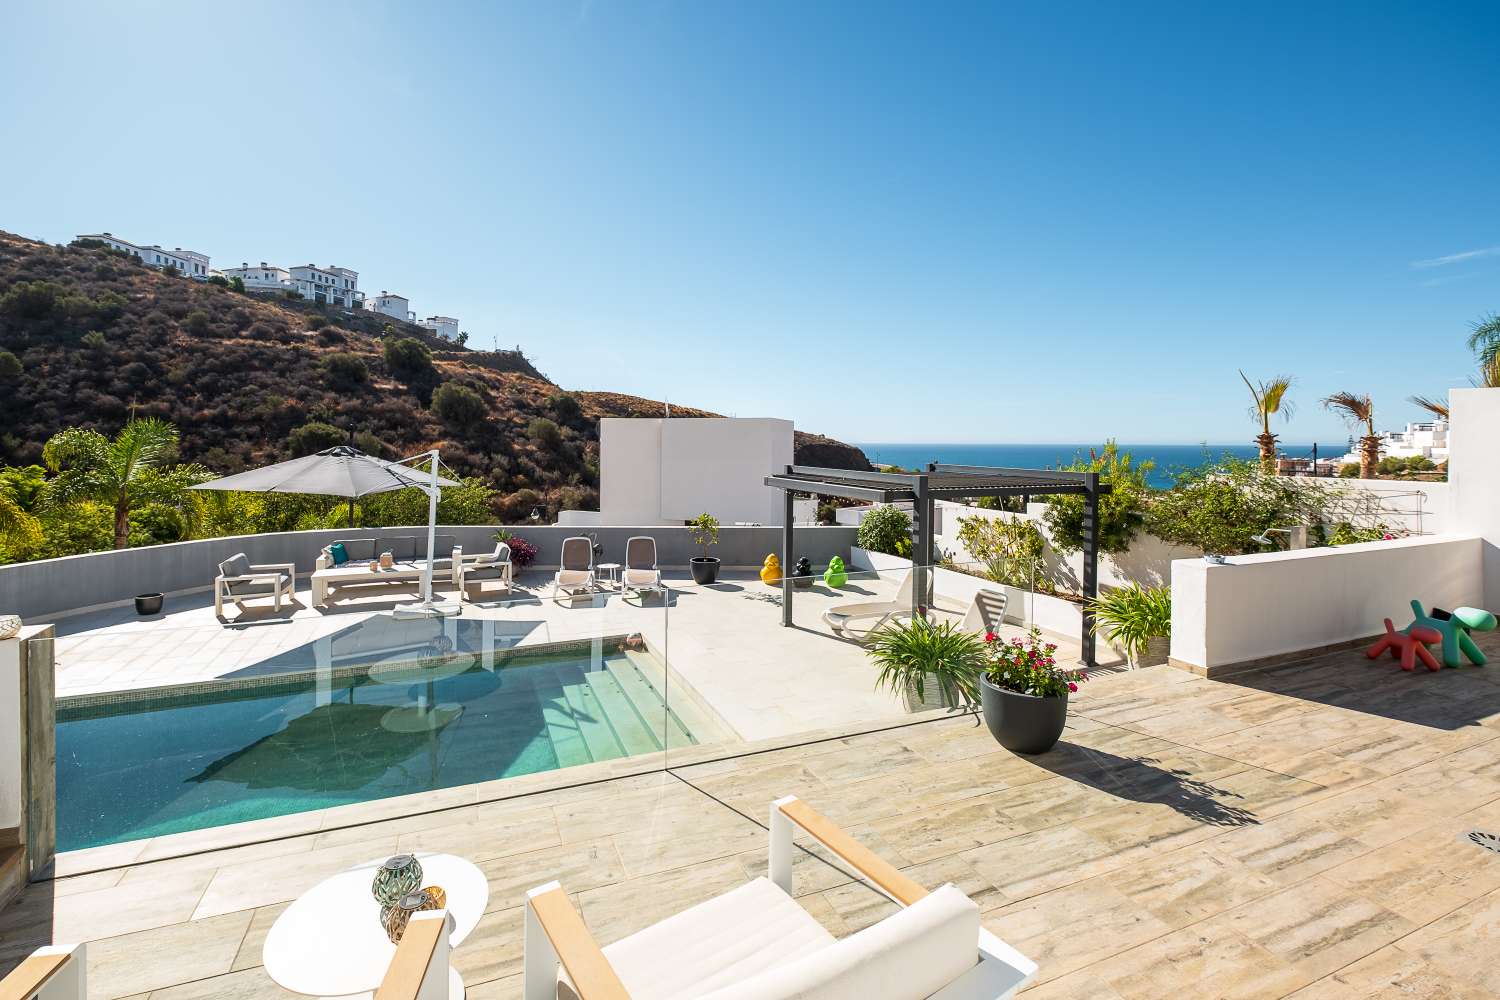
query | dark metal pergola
(922,490)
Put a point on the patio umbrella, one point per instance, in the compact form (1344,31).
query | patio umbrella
(336,472)
(344,471)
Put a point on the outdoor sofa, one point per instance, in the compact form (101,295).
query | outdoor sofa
(409,558)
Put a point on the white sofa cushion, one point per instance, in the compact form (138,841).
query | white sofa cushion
(910,955)
(718,943)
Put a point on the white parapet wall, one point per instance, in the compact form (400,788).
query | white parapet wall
(1474,475)
(1254,609)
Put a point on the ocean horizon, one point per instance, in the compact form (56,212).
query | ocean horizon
(1170,459)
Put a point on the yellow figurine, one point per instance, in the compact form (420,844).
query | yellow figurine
(770,573)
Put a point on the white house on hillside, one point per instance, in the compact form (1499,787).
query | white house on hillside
(334,285)
(188,262)
(444,326)
(669,470)
(394,306)
(261,278)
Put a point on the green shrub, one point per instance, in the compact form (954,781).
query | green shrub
(31,300)
(545,433)
(10,365)
(236,284)
(95,341)
(1011,549)
(197,323)
(566,408)
(1122,511)
(704,530)
(1221,507)
(408,358)
(911,654)
(458,406)
(345,371)
(1349,470)
(313,437)
(218,280)
(886,529)
(315,322)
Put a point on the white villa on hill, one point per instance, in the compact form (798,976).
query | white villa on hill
(444,326)
(334,285)
(1427,438)
(262,277)
(390,304)
(188,262)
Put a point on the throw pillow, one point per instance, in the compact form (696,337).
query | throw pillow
(339,555)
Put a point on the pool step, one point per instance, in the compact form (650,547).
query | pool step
(635,733)
(558,716)
(647,700)
(699,726)
(598,736)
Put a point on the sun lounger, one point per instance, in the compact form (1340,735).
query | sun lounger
(870,615)
(640,573)
(576,572)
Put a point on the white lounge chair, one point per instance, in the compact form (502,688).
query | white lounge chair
(576,572)
(986,612)
(757,943)
(475,571)
(640,573)
(840,617)
(239,581)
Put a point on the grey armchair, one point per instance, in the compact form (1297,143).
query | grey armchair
(239,581)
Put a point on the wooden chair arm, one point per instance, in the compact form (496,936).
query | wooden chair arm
(878,871)
(34,972)
(592,976)
(414,957)
(290,569)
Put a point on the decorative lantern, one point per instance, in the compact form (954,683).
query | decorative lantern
(395,878)
(395,917)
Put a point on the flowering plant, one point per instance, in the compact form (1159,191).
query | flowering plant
(1028,666)
(522,552)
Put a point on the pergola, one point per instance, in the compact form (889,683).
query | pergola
(922,490)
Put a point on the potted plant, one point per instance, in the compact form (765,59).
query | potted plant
(522,552)
(705,532)
(929,665)
(1024,694)
(1137,620)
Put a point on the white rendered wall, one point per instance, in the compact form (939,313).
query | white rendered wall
(1254,607)
(1474,476)
(656,470)
(1429,514)
(10,733)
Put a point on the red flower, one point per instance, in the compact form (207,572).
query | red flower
(990,637)
(1072,686)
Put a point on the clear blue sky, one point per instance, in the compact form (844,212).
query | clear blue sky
(988,222)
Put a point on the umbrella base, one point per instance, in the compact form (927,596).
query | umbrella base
(428,609)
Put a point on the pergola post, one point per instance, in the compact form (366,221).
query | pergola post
(787,565)
(921,555)
(1090,562)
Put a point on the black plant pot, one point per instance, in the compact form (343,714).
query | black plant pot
(1022,723)
(148,604)
(705,569)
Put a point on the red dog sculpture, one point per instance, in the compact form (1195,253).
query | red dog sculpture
(1407,646)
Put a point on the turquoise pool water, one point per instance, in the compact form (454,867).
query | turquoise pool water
(259,748)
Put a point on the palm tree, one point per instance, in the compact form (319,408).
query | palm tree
(1436,407)
(1484,340)
(1359,410)
(1268,399)
(120,471)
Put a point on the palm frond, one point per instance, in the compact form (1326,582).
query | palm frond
(1489,372)
(1268,397)
(17,527)
(1354,407)
(1484,339)
(1433,406)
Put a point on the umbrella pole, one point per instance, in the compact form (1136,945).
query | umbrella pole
(351,512)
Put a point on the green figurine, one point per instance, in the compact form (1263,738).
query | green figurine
(1455,631)
(835,575)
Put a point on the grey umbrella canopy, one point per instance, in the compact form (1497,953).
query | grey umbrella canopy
(337,472)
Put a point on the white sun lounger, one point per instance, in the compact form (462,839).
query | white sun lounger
(841,616)
(640,572)
(576,571)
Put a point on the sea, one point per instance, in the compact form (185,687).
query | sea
(1170,459)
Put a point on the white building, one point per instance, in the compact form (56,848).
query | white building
(394,306)
(188,262)
(665,471)
(444,326)
(261,278)
(332,285)
(1427,438)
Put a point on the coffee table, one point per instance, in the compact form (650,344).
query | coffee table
(324,580)
(329,942)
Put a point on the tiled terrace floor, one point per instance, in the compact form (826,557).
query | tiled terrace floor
(1297,834)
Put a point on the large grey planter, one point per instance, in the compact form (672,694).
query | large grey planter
(1022,723)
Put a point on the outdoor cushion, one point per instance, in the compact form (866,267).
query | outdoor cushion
(258,587)
(359,549)
(909,955)
(236,565)
(403,548)
(485,571)
(716,944)
(339,553)
(500,555)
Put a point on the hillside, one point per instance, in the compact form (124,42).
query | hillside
(250,380)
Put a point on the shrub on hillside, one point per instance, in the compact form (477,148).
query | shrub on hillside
(545,433)
(197,323)
(408,358)
(315,322)
(566,409)
(458,406)
(311,438)
(345,371)
(10,365)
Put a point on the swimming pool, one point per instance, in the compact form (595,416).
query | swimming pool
(136,765)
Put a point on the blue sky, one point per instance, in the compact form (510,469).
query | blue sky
(987,222)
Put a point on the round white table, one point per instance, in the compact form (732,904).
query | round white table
(611,573)
(329,942)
